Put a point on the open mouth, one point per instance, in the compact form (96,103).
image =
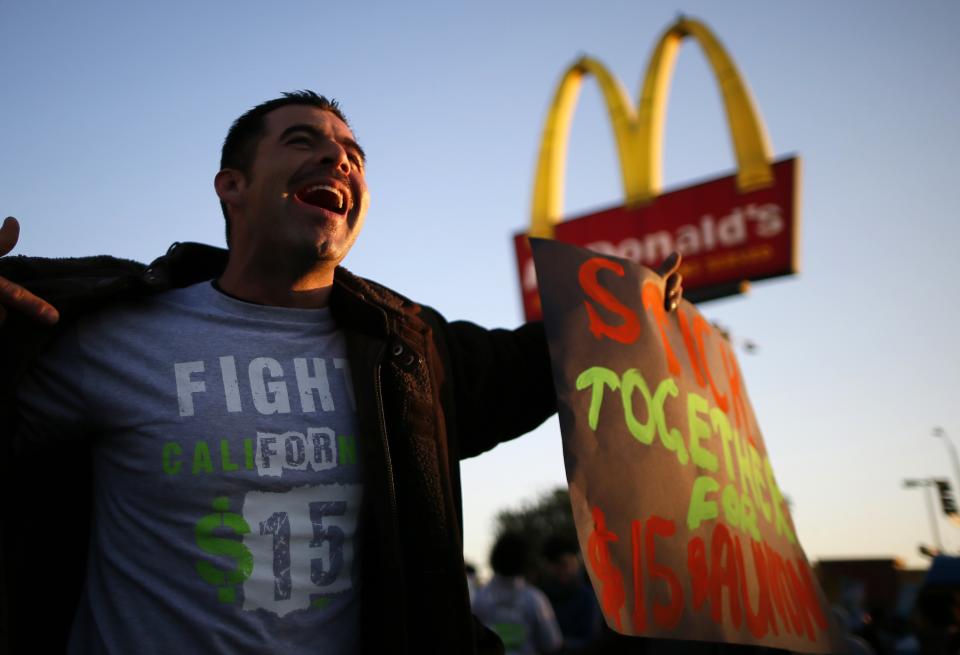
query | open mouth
(324,196)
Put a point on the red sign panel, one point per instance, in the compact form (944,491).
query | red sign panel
(726,237)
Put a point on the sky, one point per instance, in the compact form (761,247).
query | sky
(113,114)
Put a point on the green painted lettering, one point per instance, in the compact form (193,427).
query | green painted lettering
(701,509)
(739,512)
(722,425)
(656,418)
(201,458)
(761,484)
(347,449)
(748,518)
(731,505)
(642,432)
(225,462)
(596,377)
(172,449)
(776,499)
(671,437)
(747,485)
(699,429)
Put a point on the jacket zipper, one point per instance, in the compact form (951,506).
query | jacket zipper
(378,393)
(393,517)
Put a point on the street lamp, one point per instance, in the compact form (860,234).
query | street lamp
(929,483)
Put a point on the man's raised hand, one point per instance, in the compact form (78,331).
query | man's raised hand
(13,296)
(673,281)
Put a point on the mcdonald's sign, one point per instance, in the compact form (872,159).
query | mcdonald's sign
(730,230)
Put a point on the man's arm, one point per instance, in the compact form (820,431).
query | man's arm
(502,383)
(13,297)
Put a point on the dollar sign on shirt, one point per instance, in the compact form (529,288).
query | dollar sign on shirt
(224,520)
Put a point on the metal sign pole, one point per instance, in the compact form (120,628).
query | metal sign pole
(930,484)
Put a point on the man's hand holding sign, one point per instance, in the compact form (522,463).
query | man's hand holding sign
(669,270)
(684,529)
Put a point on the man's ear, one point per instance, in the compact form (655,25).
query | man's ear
(229,184)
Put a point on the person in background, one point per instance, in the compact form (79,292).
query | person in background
(517,611)
(566,585)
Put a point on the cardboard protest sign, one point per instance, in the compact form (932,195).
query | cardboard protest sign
(685,532)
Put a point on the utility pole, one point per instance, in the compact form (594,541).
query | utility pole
(929,483)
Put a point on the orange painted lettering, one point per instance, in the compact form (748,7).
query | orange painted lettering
(612,595)
(799,600)
(701,327)
(626,332)
(735,386)
(653,302)
(697,565)
(693,341)
(666,616)
(760,621)
(639,601)
(723,574)
(692,353)
(809,595)
(778,589)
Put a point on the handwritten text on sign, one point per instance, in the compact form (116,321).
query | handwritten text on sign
(685,531)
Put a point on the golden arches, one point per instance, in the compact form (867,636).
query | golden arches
(639,134)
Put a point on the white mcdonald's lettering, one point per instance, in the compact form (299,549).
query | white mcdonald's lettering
(707,235)
(689,239)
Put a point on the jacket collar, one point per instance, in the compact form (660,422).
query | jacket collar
(357,304)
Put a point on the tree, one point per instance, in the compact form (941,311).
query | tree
(547,516)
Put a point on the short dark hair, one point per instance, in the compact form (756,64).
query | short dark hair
(509,555)
(558,545)
(240,146)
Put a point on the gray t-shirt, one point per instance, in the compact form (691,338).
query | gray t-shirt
(227,474)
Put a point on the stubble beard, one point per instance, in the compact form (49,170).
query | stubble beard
(310,256)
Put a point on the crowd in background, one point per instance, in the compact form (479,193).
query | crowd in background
(541,602)
(548,608)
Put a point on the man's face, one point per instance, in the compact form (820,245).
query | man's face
(305,196)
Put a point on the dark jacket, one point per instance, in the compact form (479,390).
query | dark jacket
(428,393)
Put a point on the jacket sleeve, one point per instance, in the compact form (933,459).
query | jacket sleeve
(502,383)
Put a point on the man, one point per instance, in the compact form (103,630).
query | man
(274,441)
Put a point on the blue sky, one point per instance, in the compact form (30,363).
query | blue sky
(114,112)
